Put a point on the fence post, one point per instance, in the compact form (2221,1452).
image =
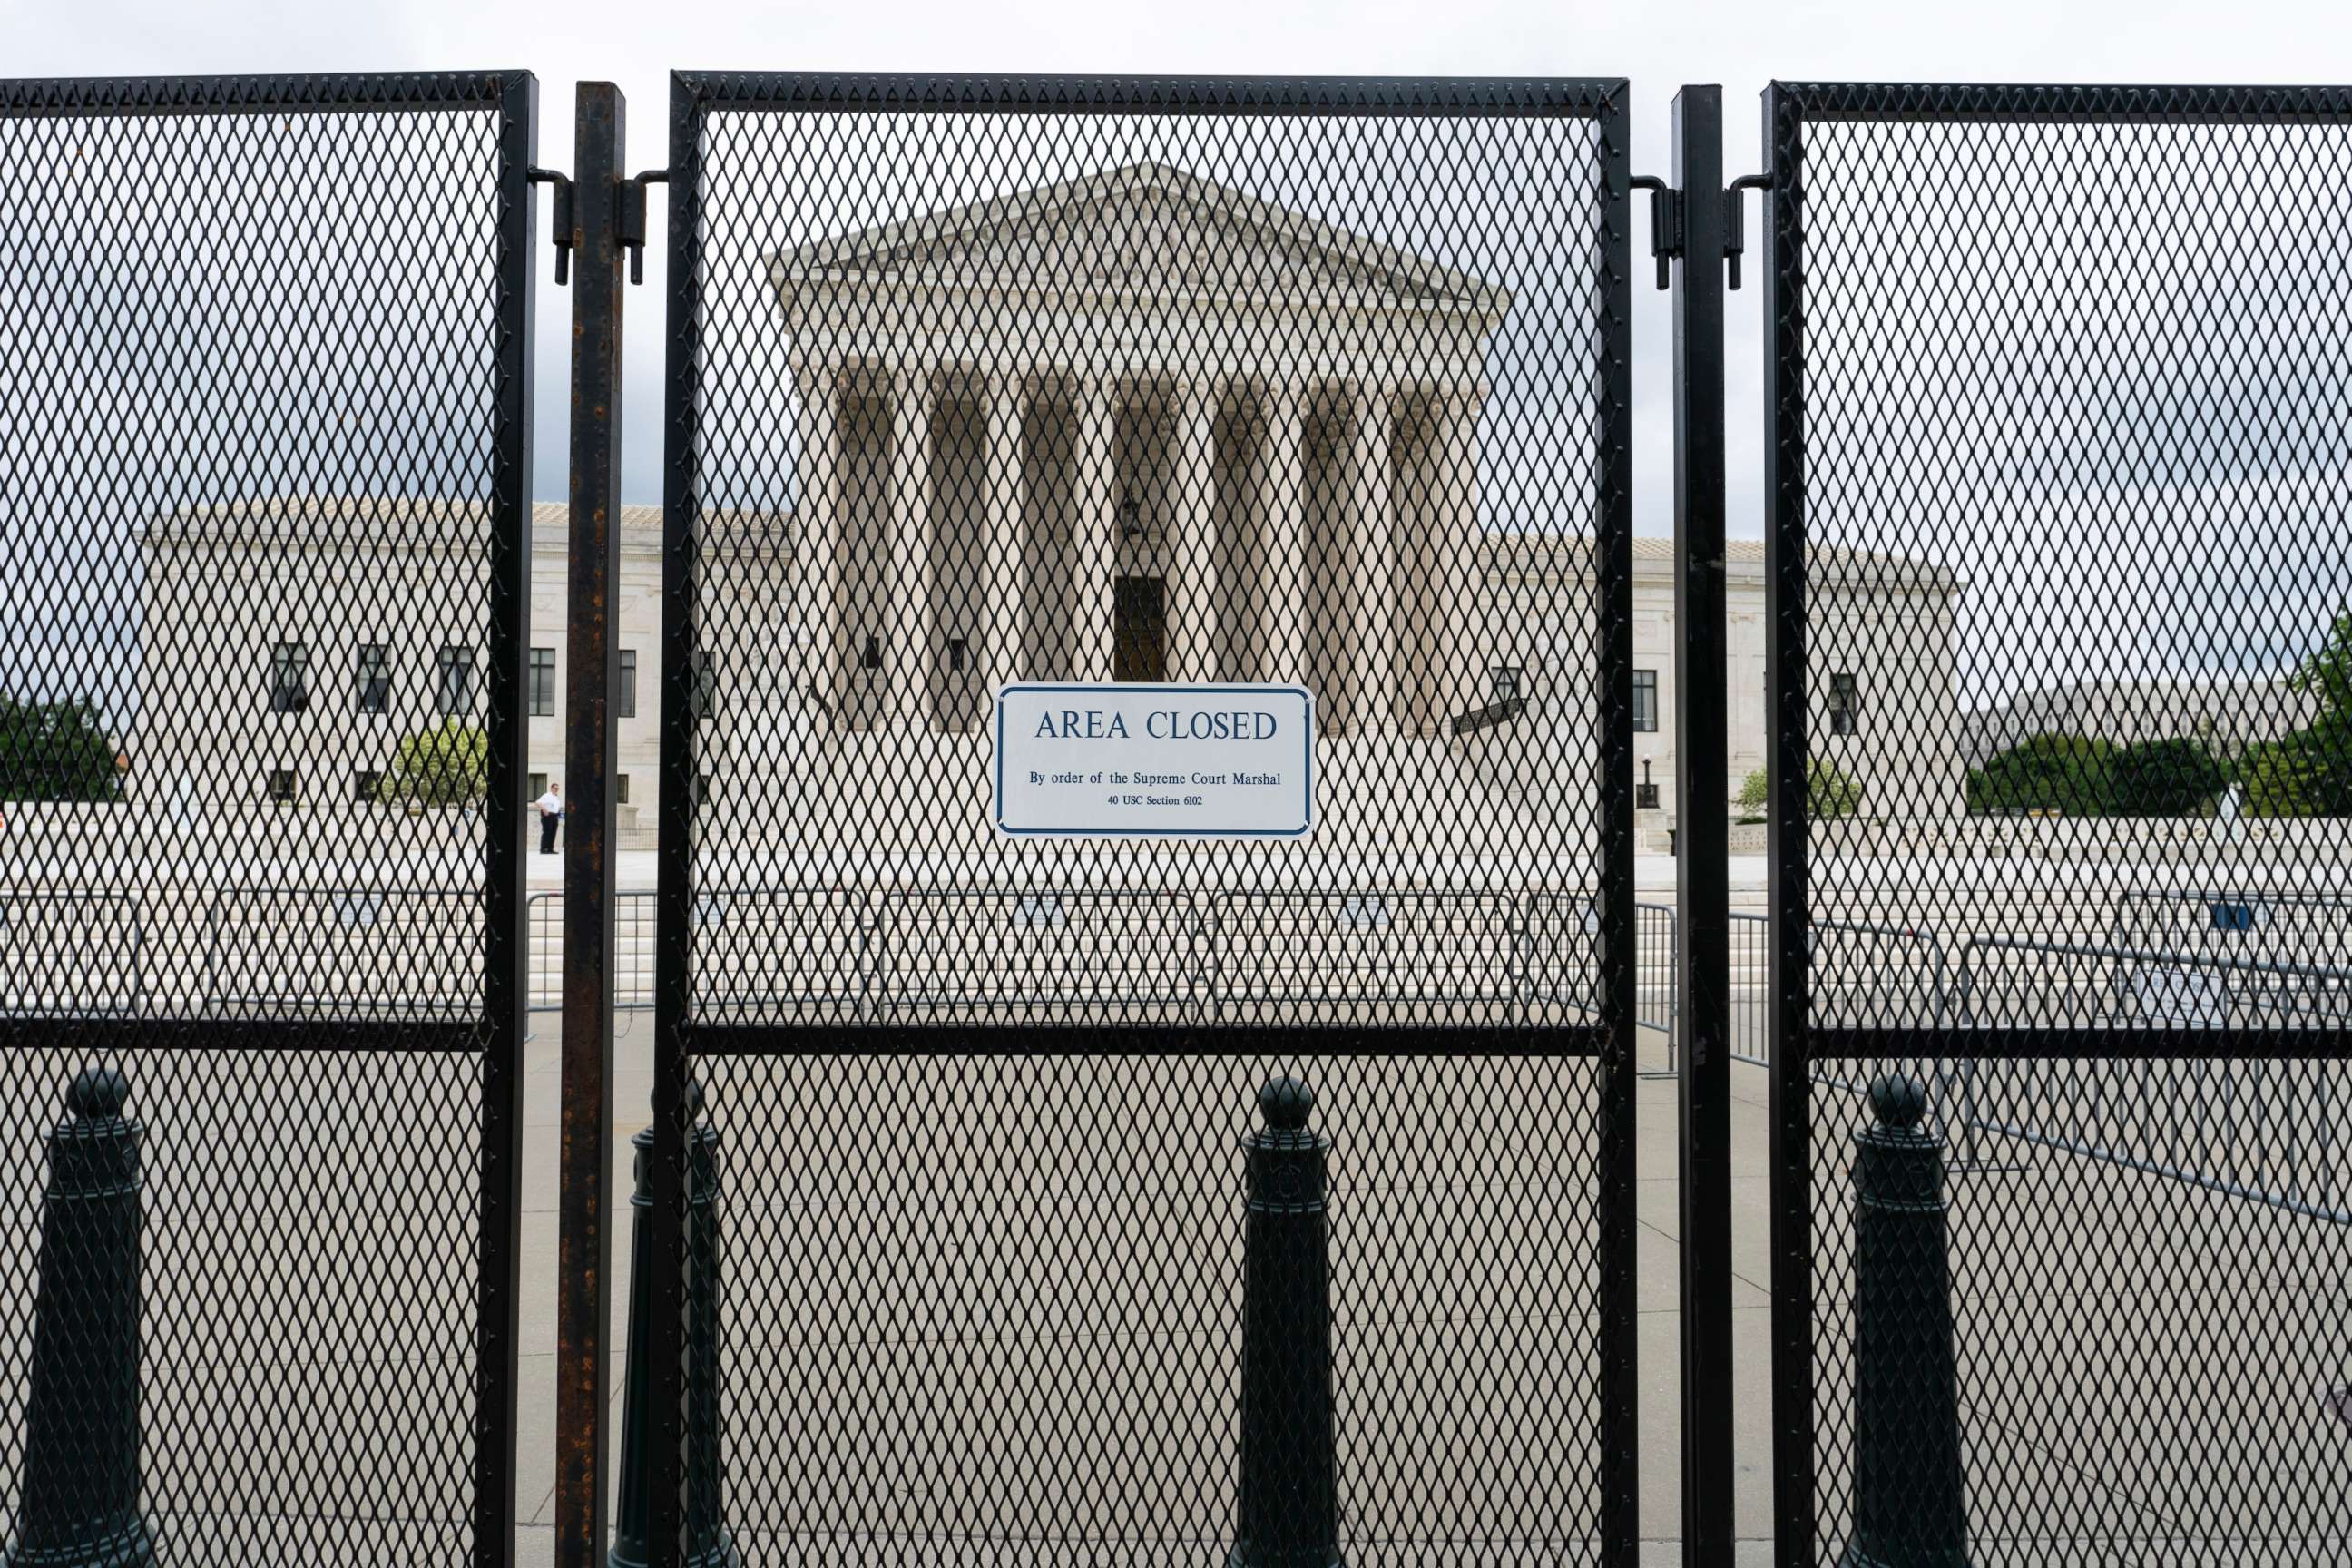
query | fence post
(1908,1503)
(81,1506)
(585,1233)
(1702,843)
(1289,1508)
(707,1545)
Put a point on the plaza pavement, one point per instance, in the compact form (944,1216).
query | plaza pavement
(1657,1283)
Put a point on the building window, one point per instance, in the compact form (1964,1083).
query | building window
(537,785)
(289,677)
(456,688)
(956,646)
(367,783)
(281,786)
(872,658)
(1845,704)
(1507,683)
(627,700)
(706,684)
(1645,701)
(543,683)
(374,676)
(621,789)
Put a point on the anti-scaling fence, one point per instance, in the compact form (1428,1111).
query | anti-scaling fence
(1145,958)
(2056,386)
(1197,483)
(264,449)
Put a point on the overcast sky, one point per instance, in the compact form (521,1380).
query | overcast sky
(1657,46)
(2115,590)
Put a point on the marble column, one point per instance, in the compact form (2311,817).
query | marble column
(906,653)
(822,544)
(1421,565)
(1004,579)
(1094,534)
(1371,683)
(1282,540)
(1192,587)
(1469,642)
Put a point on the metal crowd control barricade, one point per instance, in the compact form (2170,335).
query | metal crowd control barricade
(2264,1131)
(1117,385)
(633,943)
(2038,357)
(264,471)
(72,954)
(1750,1006)
(1660,960)
(1375,953)
(1105,953)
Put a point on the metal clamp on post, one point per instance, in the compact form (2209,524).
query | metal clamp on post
(632,224)
(1666,223)
(1735,220)
(560,220)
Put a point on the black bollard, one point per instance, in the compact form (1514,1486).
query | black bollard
(1289,1509)
(80,1507)
(708,1543)
(1909,1508)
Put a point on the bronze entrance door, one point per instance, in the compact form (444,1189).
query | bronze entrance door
(1139,628)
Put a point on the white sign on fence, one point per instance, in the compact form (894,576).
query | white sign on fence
(1156,762)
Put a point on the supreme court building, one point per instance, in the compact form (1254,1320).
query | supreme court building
(1011,482)
(1265,467)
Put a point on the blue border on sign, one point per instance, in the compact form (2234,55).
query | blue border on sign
(1305,698)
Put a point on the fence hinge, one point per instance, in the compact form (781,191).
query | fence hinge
(1668,236)
(560,220)
(1665,223)
(1735,221)
(633,219)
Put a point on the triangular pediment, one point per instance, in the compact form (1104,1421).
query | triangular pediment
(1145,230)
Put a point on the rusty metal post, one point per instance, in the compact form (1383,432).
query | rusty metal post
(584,1298)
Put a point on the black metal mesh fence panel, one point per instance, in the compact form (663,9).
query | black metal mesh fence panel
(262,485)
(2064,644)
(1097,405)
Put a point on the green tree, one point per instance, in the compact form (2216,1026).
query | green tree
(2307,773)
(2327,673)
(2068,774)
(2324,752)
(449,764)
(56,750)
(2279,779)
(2174,777)
(1829,791)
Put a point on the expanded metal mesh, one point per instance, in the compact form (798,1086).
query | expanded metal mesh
(261,446)
(1219,386)
(2064,579)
